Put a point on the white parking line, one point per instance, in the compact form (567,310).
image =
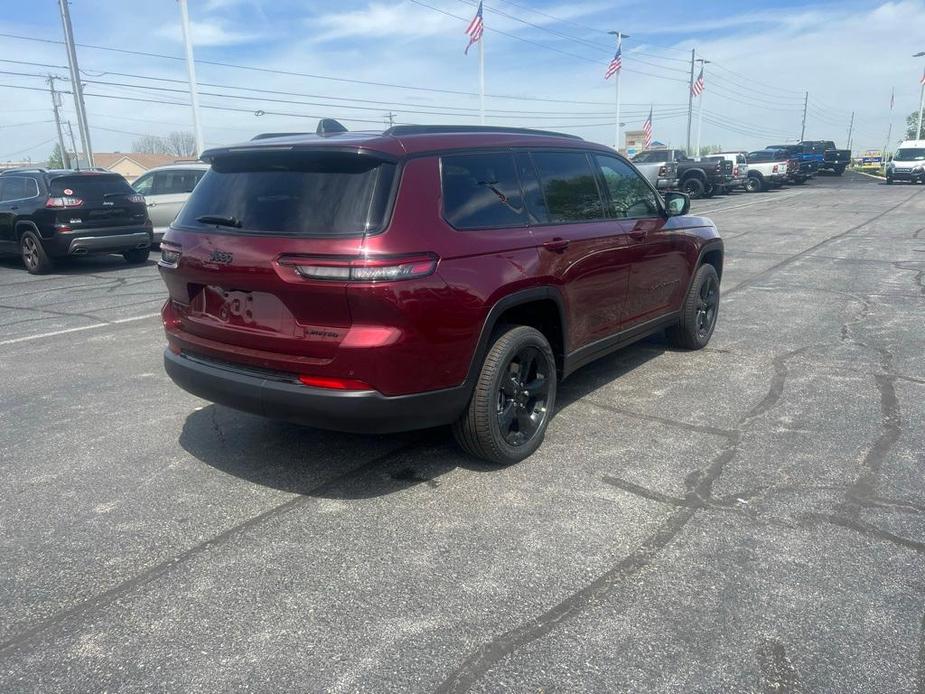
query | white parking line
(746,204)
(54,333)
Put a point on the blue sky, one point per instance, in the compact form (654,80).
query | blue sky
(544,65)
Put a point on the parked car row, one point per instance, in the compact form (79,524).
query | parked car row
(722,172)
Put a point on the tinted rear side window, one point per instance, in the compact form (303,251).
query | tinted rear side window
(533,191)
(294,193)
(17,188)
(569,186)
(89,186)
(482,191)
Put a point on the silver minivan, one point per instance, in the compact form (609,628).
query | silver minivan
(166,189)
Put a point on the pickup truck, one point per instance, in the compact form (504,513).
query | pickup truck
(739,169)
(806,162)
(661,173)
(766,168)
(696,178)
(829,158)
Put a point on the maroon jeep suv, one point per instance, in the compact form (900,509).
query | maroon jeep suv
(427,275)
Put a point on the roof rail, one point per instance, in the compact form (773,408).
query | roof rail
(24,169)
(399,130)
(266,136)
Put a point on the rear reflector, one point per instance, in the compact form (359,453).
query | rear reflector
(358,269)
(333,383)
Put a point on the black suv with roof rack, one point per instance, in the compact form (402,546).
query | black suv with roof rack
(48,214)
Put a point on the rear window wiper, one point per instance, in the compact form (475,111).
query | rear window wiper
(117,195)
(219,220)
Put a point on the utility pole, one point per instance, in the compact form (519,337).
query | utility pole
(850,131)
(803,128)
(921,96)
(391,118)
(75,82)
(690,103)
(73,144)
(65,157)
(191,73)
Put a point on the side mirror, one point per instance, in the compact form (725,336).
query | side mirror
(677,203)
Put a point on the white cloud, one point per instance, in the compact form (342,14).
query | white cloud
(208,33)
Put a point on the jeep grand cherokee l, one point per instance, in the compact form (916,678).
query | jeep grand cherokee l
(428,275)
(46,215)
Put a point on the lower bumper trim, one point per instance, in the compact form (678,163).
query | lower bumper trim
(367,411)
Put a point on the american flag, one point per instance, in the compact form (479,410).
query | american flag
(647,131)
(475,29)
(697,87)
(615,65)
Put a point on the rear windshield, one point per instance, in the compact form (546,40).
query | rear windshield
(910,154)
(293,193)
(89,186)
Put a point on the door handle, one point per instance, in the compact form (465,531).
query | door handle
(152,204)
(556,245)
(638,234)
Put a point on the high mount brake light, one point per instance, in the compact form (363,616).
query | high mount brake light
(63,202)
(359,269)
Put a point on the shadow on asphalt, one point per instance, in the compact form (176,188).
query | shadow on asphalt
(294,458)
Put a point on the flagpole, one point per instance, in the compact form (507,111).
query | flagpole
(889,132)
(482,78)
(699,123)
(619,72)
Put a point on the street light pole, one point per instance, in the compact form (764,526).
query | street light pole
(620,36)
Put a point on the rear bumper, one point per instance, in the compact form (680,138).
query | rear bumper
(666,183)
(274,396)
(85,242)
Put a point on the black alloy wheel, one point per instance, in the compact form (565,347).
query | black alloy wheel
(709,302)
(522,396)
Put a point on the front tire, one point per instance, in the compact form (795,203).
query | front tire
(33,254)
(889,181)
(699,311)
(513,399)
(136,256)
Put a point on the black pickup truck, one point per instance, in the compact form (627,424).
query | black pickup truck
(698,178)
(828,157)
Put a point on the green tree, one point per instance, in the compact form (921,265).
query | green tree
(707,150)
(55,159)
(912,126)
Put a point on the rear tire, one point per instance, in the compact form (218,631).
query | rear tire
(136,256)
(753,185)
(33,254)
(694,187)
(699,311)
(889,181)
(513,399)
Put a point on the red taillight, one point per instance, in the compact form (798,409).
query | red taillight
(333,383)
(64,202)
(170,255)
(774,170)
(735,171)
(356,269)
(135,197)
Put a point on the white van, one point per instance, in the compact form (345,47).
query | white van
(908,163)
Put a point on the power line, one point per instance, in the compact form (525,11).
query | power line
(27,149)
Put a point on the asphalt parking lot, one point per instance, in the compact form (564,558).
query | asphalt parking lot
(748,518)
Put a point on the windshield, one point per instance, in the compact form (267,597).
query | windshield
(910,154)
(297,193)
(652,156)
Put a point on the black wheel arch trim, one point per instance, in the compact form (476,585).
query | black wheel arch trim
(708,246)
(509,301)
(22,225)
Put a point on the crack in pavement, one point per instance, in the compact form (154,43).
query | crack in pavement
(34,632)
(699,486)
